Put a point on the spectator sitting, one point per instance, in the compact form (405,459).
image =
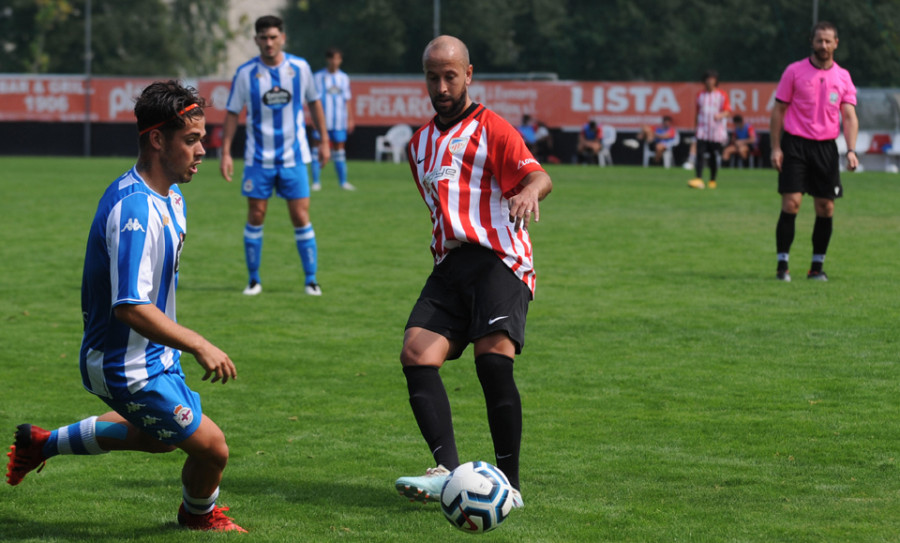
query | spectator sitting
(544,144)
(528,133)
(743,140)
(590,142)
(658,137)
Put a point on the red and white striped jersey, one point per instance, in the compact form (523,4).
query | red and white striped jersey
(708,105)
(466,173)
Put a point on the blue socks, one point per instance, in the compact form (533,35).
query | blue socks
(306,247)
(340,165)
(253,240)
(78,438)
(314,166)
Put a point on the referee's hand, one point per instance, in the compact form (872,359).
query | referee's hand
(777,159)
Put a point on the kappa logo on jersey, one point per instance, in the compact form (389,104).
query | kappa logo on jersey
(276,98)
(183,416)
(133,225)
(458,145)
(527,161)
(134,406)
(164,434)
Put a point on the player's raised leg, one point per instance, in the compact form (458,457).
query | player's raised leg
(33,445)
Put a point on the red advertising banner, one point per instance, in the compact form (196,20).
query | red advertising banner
(384,102)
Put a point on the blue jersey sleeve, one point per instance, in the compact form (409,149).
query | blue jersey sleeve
(129,238)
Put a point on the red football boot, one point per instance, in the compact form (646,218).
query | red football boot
(27,453)
(216,520)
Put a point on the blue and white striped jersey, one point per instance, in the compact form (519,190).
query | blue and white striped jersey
(335,90)
(274,96)
(132,257)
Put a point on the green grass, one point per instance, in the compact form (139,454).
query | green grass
(672,389)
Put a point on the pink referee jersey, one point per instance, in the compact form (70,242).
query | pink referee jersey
(814,97)
(466,173)
(709,104)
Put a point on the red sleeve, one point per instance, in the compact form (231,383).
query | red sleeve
(726,105)
(509,157)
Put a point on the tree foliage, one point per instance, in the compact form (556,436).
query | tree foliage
(604,40)
(601,40)
(151,37)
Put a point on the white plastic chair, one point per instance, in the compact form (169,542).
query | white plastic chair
(609,138)
(393,142)
(667,154)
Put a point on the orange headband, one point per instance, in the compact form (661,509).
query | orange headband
(157,125)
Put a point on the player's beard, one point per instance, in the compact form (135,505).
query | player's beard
(451,109)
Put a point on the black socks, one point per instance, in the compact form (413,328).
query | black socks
(504,411)
(431,407)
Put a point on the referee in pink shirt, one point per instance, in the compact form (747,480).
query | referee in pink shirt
(812,97)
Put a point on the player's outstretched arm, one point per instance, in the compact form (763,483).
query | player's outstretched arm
(533,188)
(148,321)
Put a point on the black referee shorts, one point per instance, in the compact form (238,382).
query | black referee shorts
(811,167)
(471,294)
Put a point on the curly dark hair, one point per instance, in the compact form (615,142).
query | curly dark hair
(165,105)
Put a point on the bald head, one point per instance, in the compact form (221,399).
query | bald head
(446,48)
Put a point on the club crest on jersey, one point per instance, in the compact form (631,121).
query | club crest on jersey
(457,145)
(177,201)
(276,98)
(833,97)
(183,416)
(133,225)
(248,185)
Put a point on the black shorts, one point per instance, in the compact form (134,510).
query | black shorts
(811,167)
(471,294)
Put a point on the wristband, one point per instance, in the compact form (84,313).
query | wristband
(851,151)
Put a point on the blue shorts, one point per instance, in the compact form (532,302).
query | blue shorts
(166,408)
(289,183)
(336,136)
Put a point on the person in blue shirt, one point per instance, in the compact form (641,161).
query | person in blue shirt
(131,350)
(274,87)
(742,142)
(527,130)
(590,142)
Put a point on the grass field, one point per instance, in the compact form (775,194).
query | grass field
(672,389)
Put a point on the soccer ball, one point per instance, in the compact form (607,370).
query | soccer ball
(476,497)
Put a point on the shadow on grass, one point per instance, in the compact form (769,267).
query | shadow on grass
(244,493)
(22,528)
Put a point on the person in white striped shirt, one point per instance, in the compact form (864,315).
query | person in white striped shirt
(274,87)
(713,110)
(334,85)
(132,344)
(481,185)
